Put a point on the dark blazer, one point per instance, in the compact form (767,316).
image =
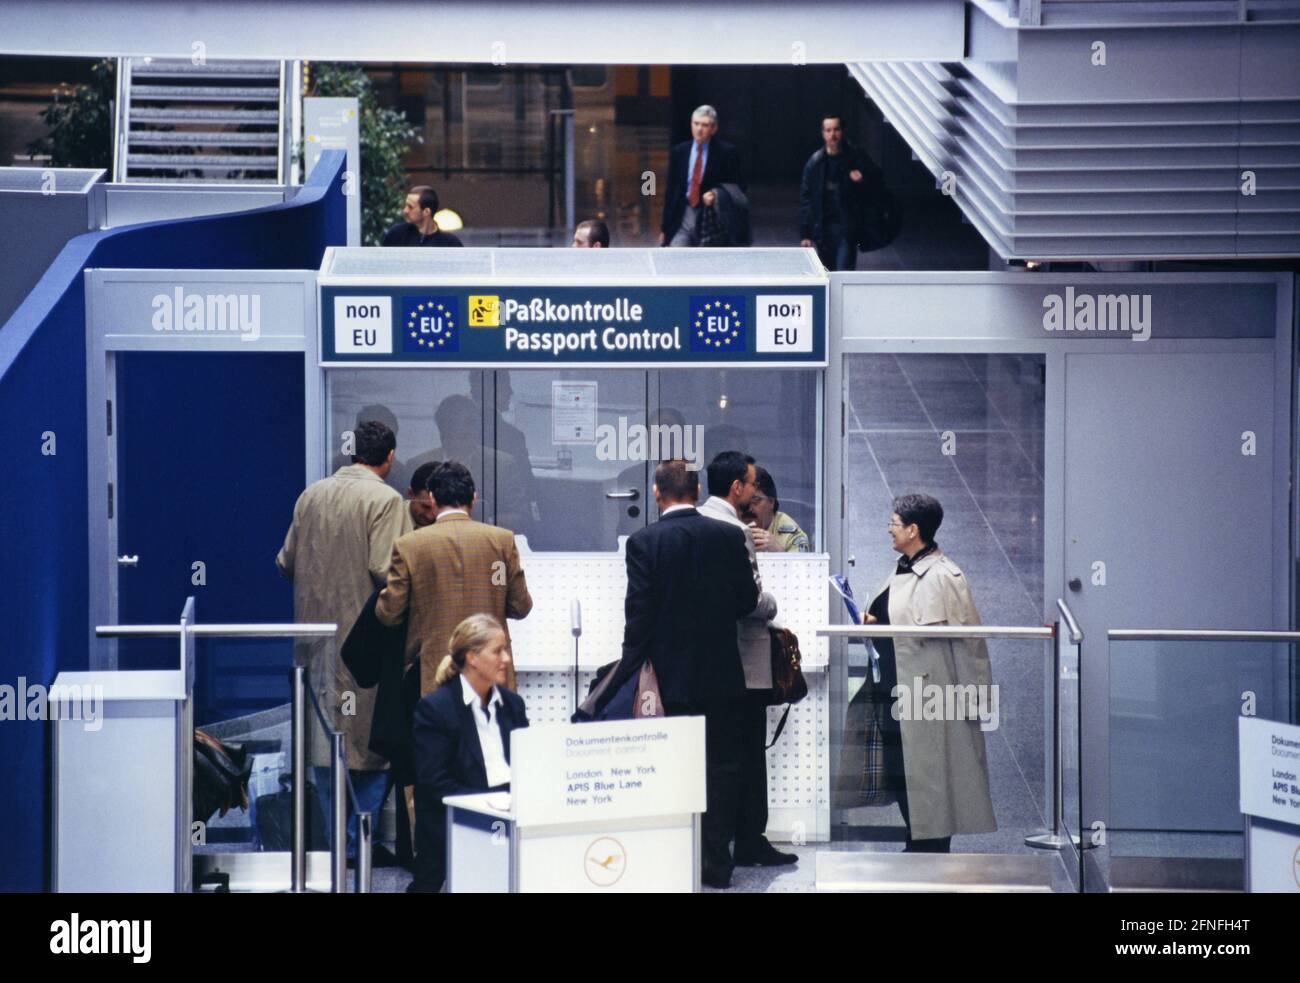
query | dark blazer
(688,582)
(449,761)
(375,654)
(722,167)
(872,215)
(853,193)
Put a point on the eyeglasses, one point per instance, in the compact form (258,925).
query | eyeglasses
(896,525)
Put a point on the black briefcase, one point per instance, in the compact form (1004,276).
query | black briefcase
(275,819)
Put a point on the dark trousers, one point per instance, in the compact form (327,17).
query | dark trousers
(722,753)
(836,250)
(895,765)
(751,824)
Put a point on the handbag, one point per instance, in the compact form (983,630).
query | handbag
(221,773)
(788,683)
(878,787)
(648,701)
(880,219)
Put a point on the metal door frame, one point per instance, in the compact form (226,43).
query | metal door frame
(110,331)
(990,334)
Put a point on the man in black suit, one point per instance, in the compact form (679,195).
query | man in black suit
(695,168)
(462,738)
(688,582)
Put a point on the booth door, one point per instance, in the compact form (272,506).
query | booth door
(569,475)
(1170,517)
(209,462)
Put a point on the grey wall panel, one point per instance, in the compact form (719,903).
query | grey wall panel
(139,202)
(40,210)
(1140,66)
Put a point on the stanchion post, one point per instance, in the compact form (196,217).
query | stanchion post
(298,749)
(575,629)
(364,834)
(1064,632)
(339,809)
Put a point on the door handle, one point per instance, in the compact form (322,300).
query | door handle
(631,494)
(1075,584)
(853,561)
(128,561)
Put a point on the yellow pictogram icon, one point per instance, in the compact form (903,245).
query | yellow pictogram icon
(484,311)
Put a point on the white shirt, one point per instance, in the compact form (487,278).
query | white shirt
(489,733)
(721,504)
(675,508)
(449,512)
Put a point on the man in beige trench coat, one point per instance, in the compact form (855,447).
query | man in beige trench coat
(945,765)
(336,552)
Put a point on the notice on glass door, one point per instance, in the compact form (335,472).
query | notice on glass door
(573,412)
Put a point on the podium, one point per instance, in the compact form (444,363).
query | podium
(1269,758)
(121,781)
(593,808)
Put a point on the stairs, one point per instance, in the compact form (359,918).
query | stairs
(220,121)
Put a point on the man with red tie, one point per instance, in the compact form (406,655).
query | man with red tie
(695,168)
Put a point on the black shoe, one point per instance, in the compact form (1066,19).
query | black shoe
(763,854)
(713,877)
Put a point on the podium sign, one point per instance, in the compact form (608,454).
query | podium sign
(1270,799)
(599,772)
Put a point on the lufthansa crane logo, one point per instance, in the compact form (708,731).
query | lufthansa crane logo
(604,861)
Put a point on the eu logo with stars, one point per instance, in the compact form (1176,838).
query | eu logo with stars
(717,324)
(430,325)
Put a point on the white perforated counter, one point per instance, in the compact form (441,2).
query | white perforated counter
(798,766)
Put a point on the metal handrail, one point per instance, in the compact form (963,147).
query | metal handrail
(1054,838)
(300,695)
(934,631)
(1198,635)
(232,631)
(1076,633)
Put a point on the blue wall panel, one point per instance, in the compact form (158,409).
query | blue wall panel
(44,558)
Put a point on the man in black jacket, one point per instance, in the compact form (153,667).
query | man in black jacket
(419,227)
(688,582)
(695,168)
(831,198)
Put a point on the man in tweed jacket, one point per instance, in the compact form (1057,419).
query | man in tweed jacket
(444,572)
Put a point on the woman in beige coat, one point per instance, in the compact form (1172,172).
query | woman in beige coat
(940,686)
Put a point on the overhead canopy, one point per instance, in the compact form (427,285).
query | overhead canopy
(514,32)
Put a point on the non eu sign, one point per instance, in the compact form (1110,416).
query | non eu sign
(693,325)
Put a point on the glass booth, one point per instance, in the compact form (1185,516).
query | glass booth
(560,378)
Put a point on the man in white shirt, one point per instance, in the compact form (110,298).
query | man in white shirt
(732,482)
